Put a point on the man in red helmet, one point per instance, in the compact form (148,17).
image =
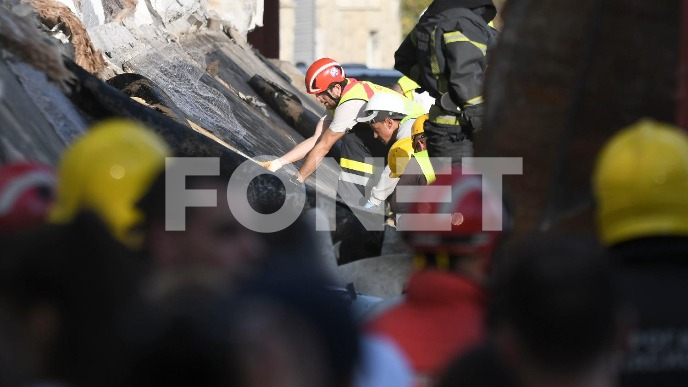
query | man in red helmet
(445,301)
(345,99)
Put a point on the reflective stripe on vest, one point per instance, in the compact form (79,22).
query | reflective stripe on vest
(356,165)
(425,165)
(353,178)
(414,108)
(364,90)
(435,65)
(407,85)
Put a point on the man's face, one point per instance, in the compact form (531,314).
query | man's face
(327,98)
(419,142)
(384,130)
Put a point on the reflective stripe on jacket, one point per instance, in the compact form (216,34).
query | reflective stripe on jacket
(446,52)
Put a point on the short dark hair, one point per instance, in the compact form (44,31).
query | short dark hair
(382,114)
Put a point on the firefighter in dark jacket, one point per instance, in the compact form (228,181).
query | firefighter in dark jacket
(445,54)
(641,191)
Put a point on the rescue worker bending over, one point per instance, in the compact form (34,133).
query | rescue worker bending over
(344,98)
(409,162)
(388,118)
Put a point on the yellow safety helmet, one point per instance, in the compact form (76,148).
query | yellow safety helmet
(399,156)
(418,125)
(107,171)
(640,183)
(407,85)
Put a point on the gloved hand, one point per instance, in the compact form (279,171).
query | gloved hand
(474,114)
(370,205)
(272,166)
(374,206)
(296,179)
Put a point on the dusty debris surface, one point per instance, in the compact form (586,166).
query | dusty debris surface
(200,79)
(193,79)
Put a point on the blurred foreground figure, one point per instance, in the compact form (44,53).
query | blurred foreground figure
(213,242)
(446,297)
(557,316)
(556,320)
(106,172)
(68,284)
(183,337)
(27,190)
(66,288)
(641,188)
(293,331)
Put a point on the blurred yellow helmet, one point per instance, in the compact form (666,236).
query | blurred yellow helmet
(107,171)
(640,183)
(418,125)
(399,156)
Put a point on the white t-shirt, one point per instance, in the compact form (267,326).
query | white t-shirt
(344,116)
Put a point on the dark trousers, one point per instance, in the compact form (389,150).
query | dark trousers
(447,141)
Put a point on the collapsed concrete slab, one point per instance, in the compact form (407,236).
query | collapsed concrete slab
(199,74)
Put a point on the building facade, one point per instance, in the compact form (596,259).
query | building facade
(349,31)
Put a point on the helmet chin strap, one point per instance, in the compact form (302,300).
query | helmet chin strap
(336,100)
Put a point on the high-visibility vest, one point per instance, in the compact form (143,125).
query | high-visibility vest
(364,90)
(354,167)
(407,85)
(425,165)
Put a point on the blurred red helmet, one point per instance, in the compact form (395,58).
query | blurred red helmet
(456,215)
(321,74)
(27,190)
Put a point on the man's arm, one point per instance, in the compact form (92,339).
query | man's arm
(300,150)
(324,144)
(465,51)
(384,187)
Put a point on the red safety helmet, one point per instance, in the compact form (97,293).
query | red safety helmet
(454,217)
(322,73)
(27,190)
